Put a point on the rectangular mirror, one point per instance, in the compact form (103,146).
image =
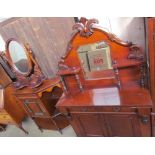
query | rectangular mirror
(96,58)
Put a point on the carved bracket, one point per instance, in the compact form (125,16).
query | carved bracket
(136,53)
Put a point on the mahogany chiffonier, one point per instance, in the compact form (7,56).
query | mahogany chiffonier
(107,112)
(105,89)
(11,112)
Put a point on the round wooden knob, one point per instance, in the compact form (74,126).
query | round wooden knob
(116,109)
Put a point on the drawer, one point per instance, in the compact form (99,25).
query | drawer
(29,100)
(25,96)
(102,109)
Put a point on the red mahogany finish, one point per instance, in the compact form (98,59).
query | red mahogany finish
(124,113)
(104,84)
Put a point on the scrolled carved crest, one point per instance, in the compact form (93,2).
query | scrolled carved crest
(135,53)
(85,27)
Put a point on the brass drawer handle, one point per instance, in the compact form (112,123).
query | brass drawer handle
(116,109)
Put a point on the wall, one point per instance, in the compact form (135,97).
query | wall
(47,37)
(131,29)
(2,44)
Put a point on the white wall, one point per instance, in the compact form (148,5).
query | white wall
(126,28)
(2,44)
(129,29)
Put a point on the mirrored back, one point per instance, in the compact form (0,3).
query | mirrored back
(95,58)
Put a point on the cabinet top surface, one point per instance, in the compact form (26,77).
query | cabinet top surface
(46,84)
(107,97)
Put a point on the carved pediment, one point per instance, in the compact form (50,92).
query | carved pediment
(85,27)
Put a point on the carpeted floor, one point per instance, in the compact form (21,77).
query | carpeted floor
(30,126)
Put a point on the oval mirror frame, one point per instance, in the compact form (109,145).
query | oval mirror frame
(14,67)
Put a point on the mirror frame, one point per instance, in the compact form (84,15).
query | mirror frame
(11,61)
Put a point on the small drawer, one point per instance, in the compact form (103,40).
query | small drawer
(82,109)
(30,100)
(117,109)
(102,109)
(25,96)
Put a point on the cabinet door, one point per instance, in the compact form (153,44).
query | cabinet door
(88,124)
(35,108)
(100,124)
(123,125)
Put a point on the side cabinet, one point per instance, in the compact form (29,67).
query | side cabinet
(120,124)
(34,107)
(40,106)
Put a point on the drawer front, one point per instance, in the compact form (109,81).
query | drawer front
(25,96)
(112,109)
(5,119)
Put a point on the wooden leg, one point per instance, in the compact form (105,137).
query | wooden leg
(2,127)
(40,128)
(21,127)
(37,125)
(60,131)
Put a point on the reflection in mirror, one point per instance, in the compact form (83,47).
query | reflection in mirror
(96,58)
(18,56)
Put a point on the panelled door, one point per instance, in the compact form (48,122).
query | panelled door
(34,107)
(99,124)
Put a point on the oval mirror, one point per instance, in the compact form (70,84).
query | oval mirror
(18,57)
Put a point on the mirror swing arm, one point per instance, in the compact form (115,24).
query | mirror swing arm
(37,77)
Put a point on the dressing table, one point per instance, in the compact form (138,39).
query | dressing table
(105,89)
(36,94)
